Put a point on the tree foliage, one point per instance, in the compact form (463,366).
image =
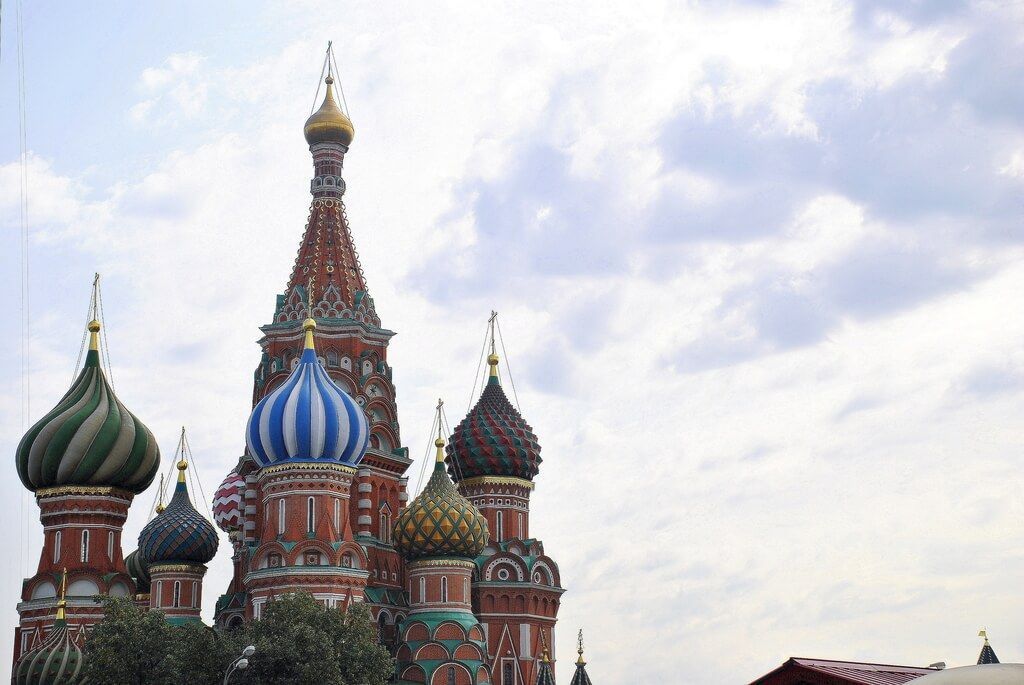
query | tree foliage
(297,641)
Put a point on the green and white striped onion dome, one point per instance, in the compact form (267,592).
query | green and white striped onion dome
(89,438)
(57,661)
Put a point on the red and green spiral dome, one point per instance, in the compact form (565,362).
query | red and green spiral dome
(493,439)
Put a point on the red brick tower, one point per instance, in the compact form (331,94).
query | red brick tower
(494,456)
(85,460)
(327,283)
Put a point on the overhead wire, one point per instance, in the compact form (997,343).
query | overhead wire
(26,383)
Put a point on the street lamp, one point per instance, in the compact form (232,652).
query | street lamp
(241,663)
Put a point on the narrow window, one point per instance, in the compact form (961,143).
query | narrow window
(176,598)
(159,593)
(499,528)
(451,675)
(465,590)
(444,589)
(266,512)
(385,527)
(195,594)
(337,516)
(85,546)
(423,589)
(110,545)
(280,516)
(506,673)
(310,515)
(56,546)
(522,531)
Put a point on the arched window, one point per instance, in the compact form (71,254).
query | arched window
(280,516)
(337,516)
(382,621)
(195,594)
(385,527)
(310,515)
(56,546)
(451,675)
(110,545)
(522,530)
(465,590)
(332,358)
(176,594)
(499,528)
(159,593)
(507,676)
(444,589)
(346,560)
(85,546)
(423,589)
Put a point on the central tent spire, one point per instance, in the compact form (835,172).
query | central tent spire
(327,274)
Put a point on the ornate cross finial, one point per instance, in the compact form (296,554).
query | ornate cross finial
(579,650)
(490,323)
(983,633)
(439,442)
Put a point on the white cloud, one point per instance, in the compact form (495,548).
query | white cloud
(820,479)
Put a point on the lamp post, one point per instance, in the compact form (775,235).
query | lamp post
(241,663)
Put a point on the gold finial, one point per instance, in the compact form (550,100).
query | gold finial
(439,442)
(63,602)
(983,633)
(309,325)
(579,649)
(160,497)
(182,465)
(544,646)
(94,335)
(492,360)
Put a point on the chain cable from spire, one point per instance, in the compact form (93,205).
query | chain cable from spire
(508,367)
(323,69)
(448,431)
(479,364)
(434,428)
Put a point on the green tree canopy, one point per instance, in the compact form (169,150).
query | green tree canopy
(297,641)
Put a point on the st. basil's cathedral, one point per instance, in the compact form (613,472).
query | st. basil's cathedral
(461,591)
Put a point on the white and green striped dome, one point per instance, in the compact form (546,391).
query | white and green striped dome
(89,438)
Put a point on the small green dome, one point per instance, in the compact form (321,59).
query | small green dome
(90,438)
(58,661)
(440,522)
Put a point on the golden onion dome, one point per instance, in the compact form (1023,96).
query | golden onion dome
(329,124)
(440,522)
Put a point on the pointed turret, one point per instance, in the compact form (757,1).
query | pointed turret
(545,676)
(987,655)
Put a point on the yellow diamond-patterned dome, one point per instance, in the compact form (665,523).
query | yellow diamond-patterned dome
(440,522)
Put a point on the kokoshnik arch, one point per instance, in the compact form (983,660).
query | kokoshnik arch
(460,589)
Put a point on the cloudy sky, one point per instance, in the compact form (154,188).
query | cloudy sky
(759,268)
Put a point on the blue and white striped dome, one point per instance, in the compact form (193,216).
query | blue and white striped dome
(308,418)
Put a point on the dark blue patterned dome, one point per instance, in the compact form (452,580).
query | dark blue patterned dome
(179,534)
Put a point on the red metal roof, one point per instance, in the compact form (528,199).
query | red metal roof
(845,672)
